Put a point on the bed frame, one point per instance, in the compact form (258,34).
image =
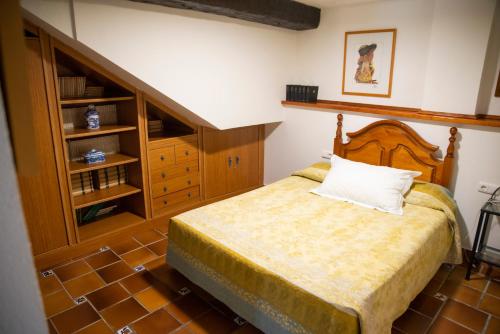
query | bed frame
(394,144)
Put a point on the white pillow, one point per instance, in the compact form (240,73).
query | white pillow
(376,187)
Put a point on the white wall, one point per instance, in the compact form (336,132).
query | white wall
(230,72)
(420,67)
(456,54)
(57,12)
(21,309)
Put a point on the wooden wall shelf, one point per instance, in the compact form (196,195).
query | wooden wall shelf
(111,160)
(97,100)
(110,224)
(413,113)
(103,195)
(103,130)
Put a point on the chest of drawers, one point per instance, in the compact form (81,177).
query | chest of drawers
(174,173)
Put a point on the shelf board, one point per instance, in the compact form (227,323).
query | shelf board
(111,160)
(410,113)
(103,130)
(107,225)
(103,195)
(95,100)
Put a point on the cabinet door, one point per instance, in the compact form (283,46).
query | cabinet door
(244,151)
(215,147)
(41,197)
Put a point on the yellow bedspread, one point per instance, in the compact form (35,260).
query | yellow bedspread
(319,265)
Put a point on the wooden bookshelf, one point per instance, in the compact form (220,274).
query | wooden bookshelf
(95,100)
(104,195)
(103,130)
(107,225)
(111,160)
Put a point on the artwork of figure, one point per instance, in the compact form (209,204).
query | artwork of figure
(365,70)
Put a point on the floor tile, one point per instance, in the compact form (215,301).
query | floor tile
(427,305)
(138,256)
(222,308)
(247,329)
(83,285)
(433,287)
(183,330)
(123,313)
(491,304)
(396,331)
(125,246)
(155,297)
(186,308)
(163,227)
(464,315)
(158,322)
(107,296)
(57,302)
(443,273)
(99,327)
(75,318)
(212,322)
(138,281)
(461,293)
(159,247)
(115,272)
(412,322)
(493,326)
(52,329)
(494,289)
(170,277)
(477,281)
(87,253)
(148,237)
(102,259)
(72,270)
(445,326)
(49,284)
(156,263)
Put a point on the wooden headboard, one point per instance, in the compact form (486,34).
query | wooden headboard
(394,144)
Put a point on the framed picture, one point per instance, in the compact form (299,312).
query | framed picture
(368,62)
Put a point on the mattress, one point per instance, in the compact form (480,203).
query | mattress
(290,261)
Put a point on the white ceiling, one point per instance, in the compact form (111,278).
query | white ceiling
(334,3)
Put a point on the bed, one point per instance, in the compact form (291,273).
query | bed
(289,261)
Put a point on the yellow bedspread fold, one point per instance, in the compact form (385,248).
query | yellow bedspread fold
(319,265)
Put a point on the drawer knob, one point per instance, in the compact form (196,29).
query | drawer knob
(187,169)
(189,181)
(164,189)
(162,174)
(186,152)
(164,202)
(189,194)
(162,157)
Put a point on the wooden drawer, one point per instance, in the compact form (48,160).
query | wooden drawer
(173,199)
(186,152)
(175,184)
(171,171)
(162,157)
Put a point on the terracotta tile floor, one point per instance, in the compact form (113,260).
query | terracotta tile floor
(129,285)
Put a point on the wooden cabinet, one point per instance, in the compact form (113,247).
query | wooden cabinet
(41,195)
(173,155)
(232,160)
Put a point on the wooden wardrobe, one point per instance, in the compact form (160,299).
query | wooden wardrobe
(158,163)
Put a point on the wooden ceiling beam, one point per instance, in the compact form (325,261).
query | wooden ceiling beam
(280,13)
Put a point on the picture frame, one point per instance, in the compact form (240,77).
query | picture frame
(369,62)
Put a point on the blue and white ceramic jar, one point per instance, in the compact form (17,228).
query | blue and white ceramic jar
(92,117)
(94,156)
